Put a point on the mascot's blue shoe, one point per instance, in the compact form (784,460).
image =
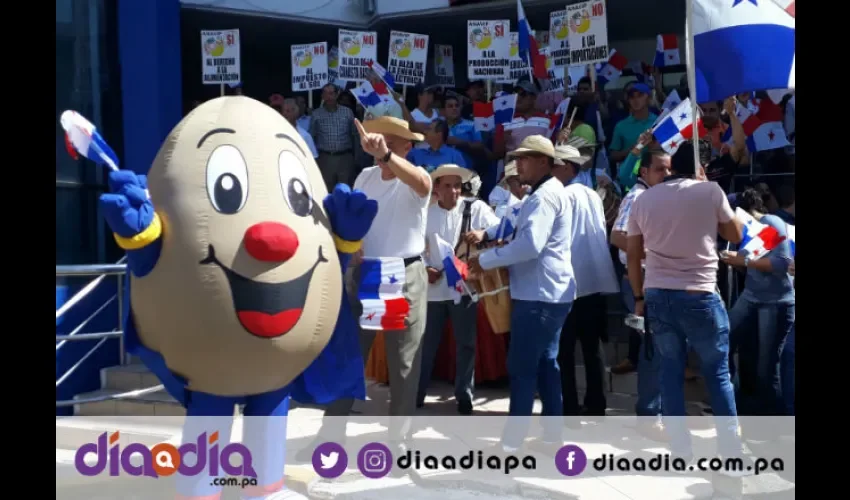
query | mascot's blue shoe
(236,254)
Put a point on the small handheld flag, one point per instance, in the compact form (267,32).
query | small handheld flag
(758,239)
(454,270)
(82,137)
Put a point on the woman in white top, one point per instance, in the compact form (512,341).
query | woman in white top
(424,113)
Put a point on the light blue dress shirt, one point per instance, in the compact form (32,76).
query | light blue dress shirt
(431,159)
(539,258)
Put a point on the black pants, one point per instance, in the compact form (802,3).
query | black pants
(587,324)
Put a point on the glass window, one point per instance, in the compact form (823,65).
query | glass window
(87,81)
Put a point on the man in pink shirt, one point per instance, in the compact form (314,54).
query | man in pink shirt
(674,226)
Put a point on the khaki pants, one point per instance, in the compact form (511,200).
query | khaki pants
(404,355)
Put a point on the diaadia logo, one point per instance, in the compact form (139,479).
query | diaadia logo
(190,459)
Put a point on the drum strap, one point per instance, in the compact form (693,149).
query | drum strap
(464,225)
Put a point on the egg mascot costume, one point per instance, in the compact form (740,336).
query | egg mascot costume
(237,254)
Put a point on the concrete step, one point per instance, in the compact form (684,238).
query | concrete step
(127,378)
(154,404)
(73,432)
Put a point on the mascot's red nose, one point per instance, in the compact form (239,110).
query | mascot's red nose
(271,242)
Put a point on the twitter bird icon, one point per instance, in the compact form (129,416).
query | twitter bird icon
(330,460)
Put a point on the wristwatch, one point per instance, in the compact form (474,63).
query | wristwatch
(747,260)
(638,298)
(387,157)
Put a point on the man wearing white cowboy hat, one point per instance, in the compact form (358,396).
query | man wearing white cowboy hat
(595,278)
(403,192)
(448,219)
(542,290)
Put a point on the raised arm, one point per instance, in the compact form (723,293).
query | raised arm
(415,177)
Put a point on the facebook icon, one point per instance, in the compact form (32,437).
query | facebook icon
(570,460)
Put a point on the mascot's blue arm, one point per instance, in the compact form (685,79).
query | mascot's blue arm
(135,224)
(338,370)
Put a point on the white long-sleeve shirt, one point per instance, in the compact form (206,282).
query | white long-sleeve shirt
(447,224)
(539,258)
(591,257)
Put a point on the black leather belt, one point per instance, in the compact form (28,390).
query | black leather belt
(335,153)
(411,260)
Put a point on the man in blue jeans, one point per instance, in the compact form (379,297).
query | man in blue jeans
(543,289)
(674,227)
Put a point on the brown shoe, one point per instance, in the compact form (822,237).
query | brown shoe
(623,367)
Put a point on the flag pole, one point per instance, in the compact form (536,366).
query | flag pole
(692,77)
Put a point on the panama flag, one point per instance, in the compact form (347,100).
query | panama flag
(527,45)
(382,73)
(454,270)
(759,239)
(667,51)
(82,137)
(611,70)
(743,45)
(380,292)
(677,127)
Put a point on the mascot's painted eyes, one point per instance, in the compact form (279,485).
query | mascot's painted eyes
(227,179)
(295,184)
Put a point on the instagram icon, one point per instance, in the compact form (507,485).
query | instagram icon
(374,460)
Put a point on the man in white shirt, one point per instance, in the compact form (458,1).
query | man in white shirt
(450,217)
(595,278)
(654,168)
(403,192)
(543,289)
(290,112)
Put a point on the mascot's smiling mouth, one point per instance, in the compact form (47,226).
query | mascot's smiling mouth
(267,310)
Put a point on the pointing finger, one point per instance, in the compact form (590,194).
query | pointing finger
(360,129)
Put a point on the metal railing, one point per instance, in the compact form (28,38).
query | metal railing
(119,270)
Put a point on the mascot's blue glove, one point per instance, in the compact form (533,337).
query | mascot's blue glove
(130,214)
(351,214)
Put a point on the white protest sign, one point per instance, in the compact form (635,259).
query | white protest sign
(518,67)
(444,65)
(220,57)
(408,57)
(356,50)
(554,75)
(588,40)
(559,44)
(488,49)
(574,74)
(333,67)
(309,66)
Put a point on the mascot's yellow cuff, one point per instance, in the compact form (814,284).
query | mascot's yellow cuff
(345,246)
(143,239)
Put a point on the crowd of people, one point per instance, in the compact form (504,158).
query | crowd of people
(598,209)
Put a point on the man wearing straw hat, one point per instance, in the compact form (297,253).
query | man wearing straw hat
(510,191)
(447,220)
(543,289)
(595,278)
(402,191)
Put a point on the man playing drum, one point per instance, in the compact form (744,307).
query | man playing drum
(542,289)
(448,219)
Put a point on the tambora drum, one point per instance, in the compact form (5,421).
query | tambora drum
(492,289)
